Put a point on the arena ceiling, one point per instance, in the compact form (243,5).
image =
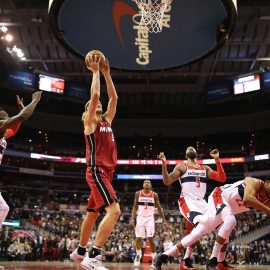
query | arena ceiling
(173,90)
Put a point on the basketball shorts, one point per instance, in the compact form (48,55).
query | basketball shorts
(102,193)
(145,227)
(191,208)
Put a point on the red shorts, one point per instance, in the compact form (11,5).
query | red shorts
(102,193)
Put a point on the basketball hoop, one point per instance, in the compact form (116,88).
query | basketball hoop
(152,13)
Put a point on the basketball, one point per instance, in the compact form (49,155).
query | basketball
(97,53)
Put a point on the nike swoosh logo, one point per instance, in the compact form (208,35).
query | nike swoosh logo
(121,9)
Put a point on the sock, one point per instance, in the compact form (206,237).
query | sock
(170,251)
(188,253)
(216,249)
(139,252)
(153,255)
(94,252)
(81,250)
(221,256)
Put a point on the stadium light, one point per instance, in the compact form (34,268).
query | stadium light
(8,37)
(3,29)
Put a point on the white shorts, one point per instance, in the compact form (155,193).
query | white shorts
(215,214)
(190,208)
(145,227)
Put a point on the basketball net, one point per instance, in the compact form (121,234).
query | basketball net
(152,13)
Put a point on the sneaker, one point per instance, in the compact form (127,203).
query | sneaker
(212,264)
(225,266)
(75,257)
(186,264)
(159,260)
(93,263)
(137,260)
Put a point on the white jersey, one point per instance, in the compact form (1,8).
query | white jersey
(194,182)
(3,146)
(146,204)
(233,195)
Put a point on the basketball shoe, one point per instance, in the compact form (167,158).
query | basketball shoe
(93,263)
(212,264)
(159,260)
(186,264)
(137,260)
(225,266)
(75,257)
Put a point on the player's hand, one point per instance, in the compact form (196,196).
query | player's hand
(214,154)
(92,63)
(36,96)
(104,66)
(20,103)
(162,157)
(132,224)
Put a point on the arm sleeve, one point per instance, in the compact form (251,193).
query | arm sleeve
(12,131)
(218,175)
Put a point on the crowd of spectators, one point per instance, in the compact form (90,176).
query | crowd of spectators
(47,233)
(51,218)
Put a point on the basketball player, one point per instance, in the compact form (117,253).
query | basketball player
(224,203)
(8,128)
(101,159)
(193,181)
(144,206)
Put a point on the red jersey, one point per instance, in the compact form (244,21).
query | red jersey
(100,146)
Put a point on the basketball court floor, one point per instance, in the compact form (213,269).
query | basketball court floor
(112,266)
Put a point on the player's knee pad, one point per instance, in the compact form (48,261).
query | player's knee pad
(227,227)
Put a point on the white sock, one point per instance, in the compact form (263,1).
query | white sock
(171,251)
(153,255)
(216,250)
(221,256)
(139,252)
(188,253)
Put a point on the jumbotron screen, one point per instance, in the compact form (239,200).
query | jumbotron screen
(246,84)
(51,84)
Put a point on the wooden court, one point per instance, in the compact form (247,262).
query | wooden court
(114,266)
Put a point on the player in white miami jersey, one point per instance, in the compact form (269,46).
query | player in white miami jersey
(224,203)
(144,206)
(193,180)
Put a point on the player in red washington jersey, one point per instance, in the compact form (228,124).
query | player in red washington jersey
(144,206)
(224,203)
(8,128)
(193,180)
(101,159)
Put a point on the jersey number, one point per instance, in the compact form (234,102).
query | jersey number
(145,205)
(240,203)
(198,181)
